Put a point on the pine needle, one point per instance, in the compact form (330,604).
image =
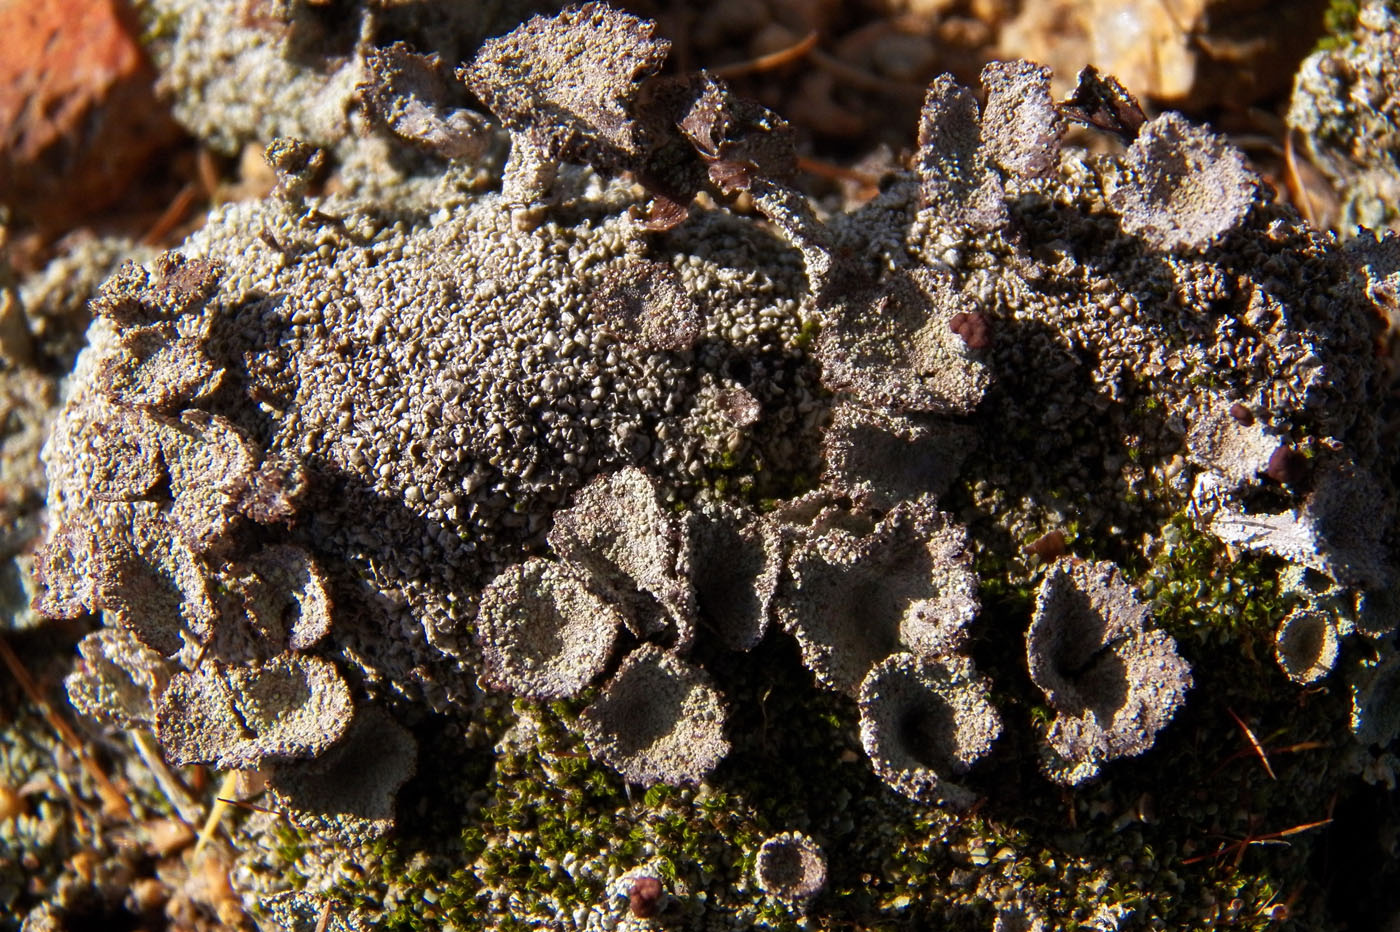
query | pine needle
(179,798)
(1254,743)
(836,172)
(173,215)
(1296,184)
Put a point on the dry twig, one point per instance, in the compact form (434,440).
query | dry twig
(216,812)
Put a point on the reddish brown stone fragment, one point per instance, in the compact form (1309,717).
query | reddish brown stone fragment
(1048,546)
(78,114)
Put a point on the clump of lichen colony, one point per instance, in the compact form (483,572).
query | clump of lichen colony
(721,556)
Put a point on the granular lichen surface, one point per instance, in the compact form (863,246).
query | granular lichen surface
(311,461)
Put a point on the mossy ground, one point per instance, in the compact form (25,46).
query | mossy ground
(1195,834)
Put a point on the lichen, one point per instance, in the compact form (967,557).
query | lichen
(925,722)
(1343,107)
(350,792)
(117,680)
(790,867)
(410,96)
(543,633)
(658,720)
(238,718)
(1183,187)
(852,600)
(1306,646)
(374,428)
(1113,682)
(618,535)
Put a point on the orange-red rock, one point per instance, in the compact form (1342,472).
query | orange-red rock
(78,113)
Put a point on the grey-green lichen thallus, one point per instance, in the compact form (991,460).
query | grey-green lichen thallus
(654,512)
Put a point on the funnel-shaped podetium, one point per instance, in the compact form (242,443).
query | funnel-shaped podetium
(897,347)
(891,457)
(658,720)
(955,180)
(542,632)
(1021,127)
(410,96)
(790,867)
(1184,187)
(622,541)
(1339,529)
(735,562)
(852,600)
(1306,645)
(1227,438)
(349,792)
(239,717)
(116,679)
(1113,682)
(924,723)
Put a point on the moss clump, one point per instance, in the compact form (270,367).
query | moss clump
(1202,592)
(1338,25)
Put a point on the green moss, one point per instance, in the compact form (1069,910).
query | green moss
(1338,24)
(896,865)
(744,477)
(807,335)
(523,830)
(1201,592)
(729,460)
